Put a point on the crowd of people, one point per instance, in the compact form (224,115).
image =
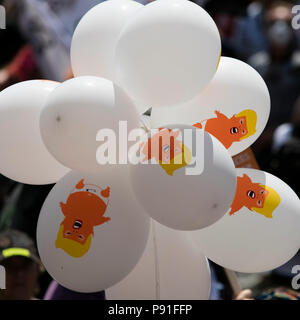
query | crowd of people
(36,44)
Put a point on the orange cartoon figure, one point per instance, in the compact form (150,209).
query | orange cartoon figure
(230,130)
(83,210)
(167,150)
(163,146)
(255,197)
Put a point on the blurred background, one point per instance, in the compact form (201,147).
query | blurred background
(36,45)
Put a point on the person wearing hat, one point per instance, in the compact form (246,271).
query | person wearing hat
(22,266)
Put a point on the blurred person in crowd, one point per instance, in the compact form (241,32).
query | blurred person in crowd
(17,62)
(48,27)
(285,155)
(19,257)
(279,65)
(21,210)
(227,15)
(250,35)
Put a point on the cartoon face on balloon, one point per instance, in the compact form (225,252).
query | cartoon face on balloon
(167,149)
(255,197)
(84,209)
(229,130)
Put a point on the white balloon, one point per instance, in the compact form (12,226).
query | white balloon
(74,114)
(96,36)
(171,268)
(167,52)
(24,157)
(256,239)
(192,190)
(239,93)
(91,233)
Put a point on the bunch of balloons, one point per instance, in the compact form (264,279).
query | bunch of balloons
(119,223)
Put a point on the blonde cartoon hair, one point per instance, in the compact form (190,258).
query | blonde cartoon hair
(181,160)
(251,118)
(272,201)
(70,246)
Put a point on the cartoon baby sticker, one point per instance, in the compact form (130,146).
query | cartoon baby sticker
(83,210)
(229,130)
(255,197)
(167,150)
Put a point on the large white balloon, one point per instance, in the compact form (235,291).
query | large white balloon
(171,268)
(189,181)
(167,52)
(91,232)
(234,107)
(24,157)
(261,230)
(96,36)
(74,114)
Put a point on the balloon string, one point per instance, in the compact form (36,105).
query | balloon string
(157,284)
